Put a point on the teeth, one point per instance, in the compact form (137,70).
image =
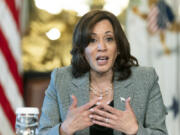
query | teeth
(102,58)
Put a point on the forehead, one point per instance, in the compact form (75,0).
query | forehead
(103,26)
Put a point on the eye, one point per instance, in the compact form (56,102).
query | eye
(109,39)
(93,40)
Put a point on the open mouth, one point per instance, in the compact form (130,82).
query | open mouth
(102,60)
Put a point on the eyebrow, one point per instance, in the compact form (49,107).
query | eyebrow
(107,32)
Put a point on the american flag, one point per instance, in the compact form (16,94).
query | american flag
(159,17)
(11,90)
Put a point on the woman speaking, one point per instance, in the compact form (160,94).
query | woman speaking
(104,90)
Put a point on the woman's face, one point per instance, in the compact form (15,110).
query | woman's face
(101,52)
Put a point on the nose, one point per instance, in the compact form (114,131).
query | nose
(101,46)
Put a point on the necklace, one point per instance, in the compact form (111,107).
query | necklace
(99,92)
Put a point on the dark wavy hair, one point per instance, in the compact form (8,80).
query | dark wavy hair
(81,39)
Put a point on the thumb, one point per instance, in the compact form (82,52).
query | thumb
(128,105)
(74,102)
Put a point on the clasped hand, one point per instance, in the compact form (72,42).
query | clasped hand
(107,116)
(79,118)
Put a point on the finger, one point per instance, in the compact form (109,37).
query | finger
(105,114)
(74,102)
(90,104)
(102,119)
(107,108)
(127,104)
(87,119)
(96,117)
(104,124)
(86,113)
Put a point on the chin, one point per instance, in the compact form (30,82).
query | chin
(103,70)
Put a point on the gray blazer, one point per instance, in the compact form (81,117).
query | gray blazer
(142,86)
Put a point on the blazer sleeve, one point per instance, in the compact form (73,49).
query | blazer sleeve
(50,116)
(155,115)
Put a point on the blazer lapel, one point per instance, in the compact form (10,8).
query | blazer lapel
(80,88)
(122,90)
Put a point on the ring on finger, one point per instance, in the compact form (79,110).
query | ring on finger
(107,120)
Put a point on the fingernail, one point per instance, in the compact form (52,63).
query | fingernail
(98,103)
(107,102)
(90,116)
(91,110)
(128,99)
